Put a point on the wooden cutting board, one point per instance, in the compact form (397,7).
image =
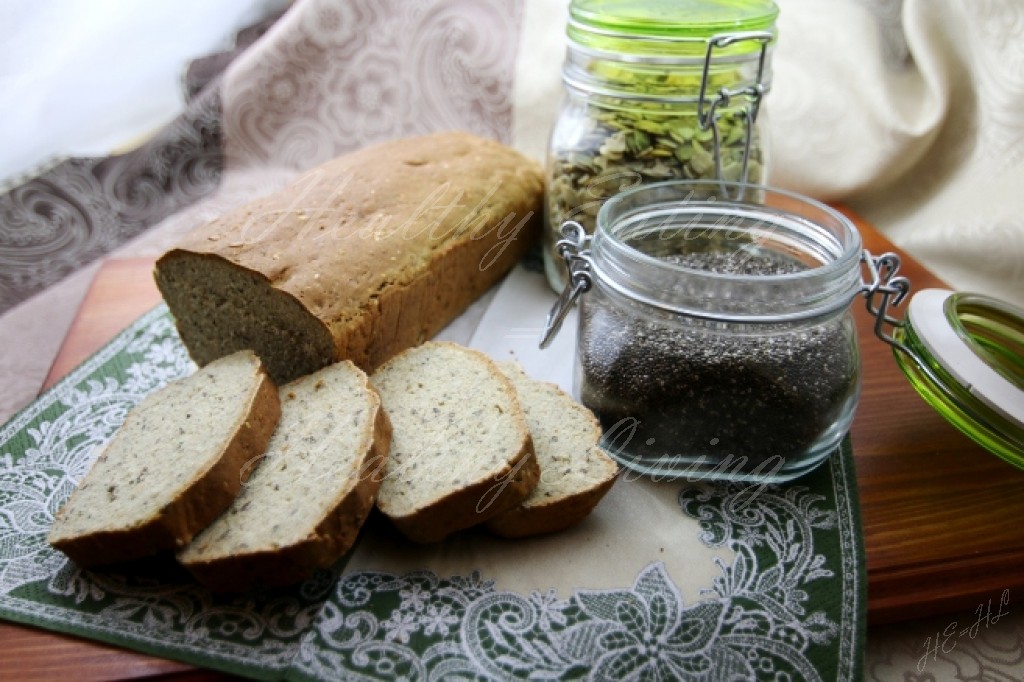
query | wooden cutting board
(122,291)
(943,520)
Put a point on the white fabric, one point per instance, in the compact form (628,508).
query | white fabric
(928,148)
(85,78)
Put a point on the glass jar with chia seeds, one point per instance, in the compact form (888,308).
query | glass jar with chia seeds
(655,90)
(715,337)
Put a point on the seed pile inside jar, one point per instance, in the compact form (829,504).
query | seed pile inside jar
(605,145)
(614,150)
(755,394)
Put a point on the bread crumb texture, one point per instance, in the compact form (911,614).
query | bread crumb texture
(575,473)
(314,459)
(565,438)
(456,424)
(168,442)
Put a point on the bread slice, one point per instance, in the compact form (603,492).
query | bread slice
(461,451)
(359,258)
(575,472)
(175,464)
(304,505)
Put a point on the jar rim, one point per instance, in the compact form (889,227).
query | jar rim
(798,225)
(972,337)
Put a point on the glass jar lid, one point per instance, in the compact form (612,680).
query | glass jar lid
(964,354)
(667,26)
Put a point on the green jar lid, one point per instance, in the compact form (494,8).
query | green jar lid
(964,353)
(666,26)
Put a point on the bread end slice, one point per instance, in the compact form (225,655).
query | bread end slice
(575,472)
(303,507)
(166,475)
(461,451)
(252,313)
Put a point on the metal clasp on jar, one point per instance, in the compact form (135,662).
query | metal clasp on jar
(707,117)
(572,248)
(887,288)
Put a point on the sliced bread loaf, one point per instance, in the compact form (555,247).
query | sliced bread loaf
(175,464)
(359,258)
(461,451)
(575,472)
(304,504)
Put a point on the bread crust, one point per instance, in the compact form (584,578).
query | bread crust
(332,537)
(474,504)
(200,502)
(547,518)
(381,248)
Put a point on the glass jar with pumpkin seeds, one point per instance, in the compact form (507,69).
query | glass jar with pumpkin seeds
(656,90)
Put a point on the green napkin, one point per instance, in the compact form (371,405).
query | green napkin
(788,605)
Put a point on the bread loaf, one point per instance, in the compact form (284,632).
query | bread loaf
(175,464)
(575,473)
(460,450)
(305,502)
(359,258)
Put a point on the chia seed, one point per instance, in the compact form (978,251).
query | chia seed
(714,390)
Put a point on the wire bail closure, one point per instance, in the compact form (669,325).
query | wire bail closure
(572,248)
(708,117)
(889,289)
